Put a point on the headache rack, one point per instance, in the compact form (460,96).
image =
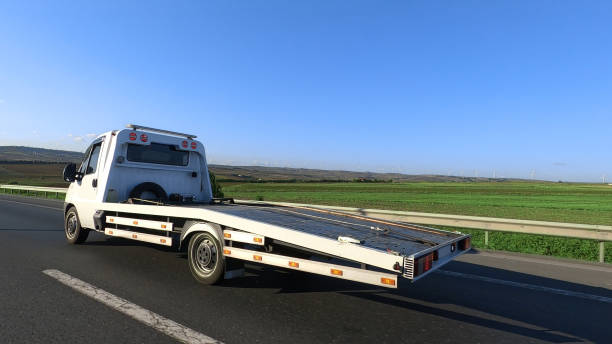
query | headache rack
(160,131)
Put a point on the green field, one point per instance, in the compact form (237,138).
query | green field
(559,202)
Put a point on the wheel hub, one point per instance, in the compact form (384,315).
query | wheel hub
(71,226)
(206,255)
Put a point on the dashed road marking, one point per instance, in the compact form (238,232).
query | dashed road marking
(528,286)
(149,318)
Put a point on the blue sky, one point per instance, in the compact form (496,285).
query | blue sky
(446,87)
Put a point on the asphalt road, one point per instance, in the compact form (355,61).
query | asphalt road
(481,298)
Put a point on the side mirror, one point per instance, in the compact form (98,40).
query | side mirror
(70,173)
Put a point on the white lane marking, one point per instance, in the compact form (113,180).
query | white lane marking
(32,204)
(528,286)
(564,264)
(154,320)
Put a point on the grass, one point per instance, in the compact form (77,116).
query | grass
(39,194)
(32,174)
(559,202)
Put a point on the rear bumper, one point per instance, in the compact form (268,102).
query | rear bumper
(443,254)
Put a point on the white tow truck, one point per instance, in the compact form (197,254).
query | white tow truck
(153,185)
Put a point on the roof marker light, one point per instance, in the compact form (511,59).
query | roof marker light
(185,144)
(194,145)
(133,136)
(144,137)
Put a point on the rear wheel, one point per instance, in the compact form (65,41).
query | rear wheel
(205,258)
(75,234)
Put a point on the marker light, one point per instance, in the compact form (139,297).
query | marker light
(256,257)
(336,272)
(227,252)
(184,144)
(227,235)
(144,137)
(294,264)
(133,136)
(387,281)
(194,145)
(257,240)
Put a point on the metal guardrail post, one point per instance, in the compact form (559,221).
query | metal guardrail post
(602,251)
(486,238)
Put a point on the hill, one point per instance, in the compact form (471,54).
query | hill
(14,154)
(14,162)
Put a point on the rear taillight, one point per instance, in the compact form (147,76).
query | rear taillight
(464,244)
(423,264)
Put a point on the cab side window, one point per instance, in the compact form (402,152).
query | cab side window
(93,159)
(85,160)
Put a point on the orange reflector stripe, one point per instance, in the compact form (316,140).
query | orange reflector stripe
(134,236)
(110,232)
(227,252)
(135,222)
(111,220)
(163,226)
(227,235)
(256,257)
(388,281)
(336,272)
(294,264)
(256,239)
(163,241)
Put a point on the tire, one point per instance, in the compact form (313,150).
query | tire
(205,258)
(143,190)
(75,234)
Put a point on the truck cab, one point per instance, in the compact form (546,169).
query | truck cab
(138,163)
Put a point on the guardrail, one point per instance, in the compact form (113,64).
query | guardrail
(27,189)
(600,233)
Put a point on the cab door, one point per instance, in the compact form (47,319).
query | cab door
(87,185)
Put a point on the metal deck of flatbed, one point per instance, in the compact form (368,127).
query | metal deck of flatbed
(393,237)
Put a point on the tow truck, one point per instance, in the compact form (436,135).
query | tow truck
(153,185)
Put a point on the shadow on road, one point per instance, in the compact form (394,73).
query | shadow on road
(534,314)
(538,315)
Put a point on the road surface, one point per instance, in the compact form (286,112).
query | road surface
(479,298)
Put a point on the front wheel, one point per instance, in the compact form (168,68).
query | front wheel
(205,258)
(75,234)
